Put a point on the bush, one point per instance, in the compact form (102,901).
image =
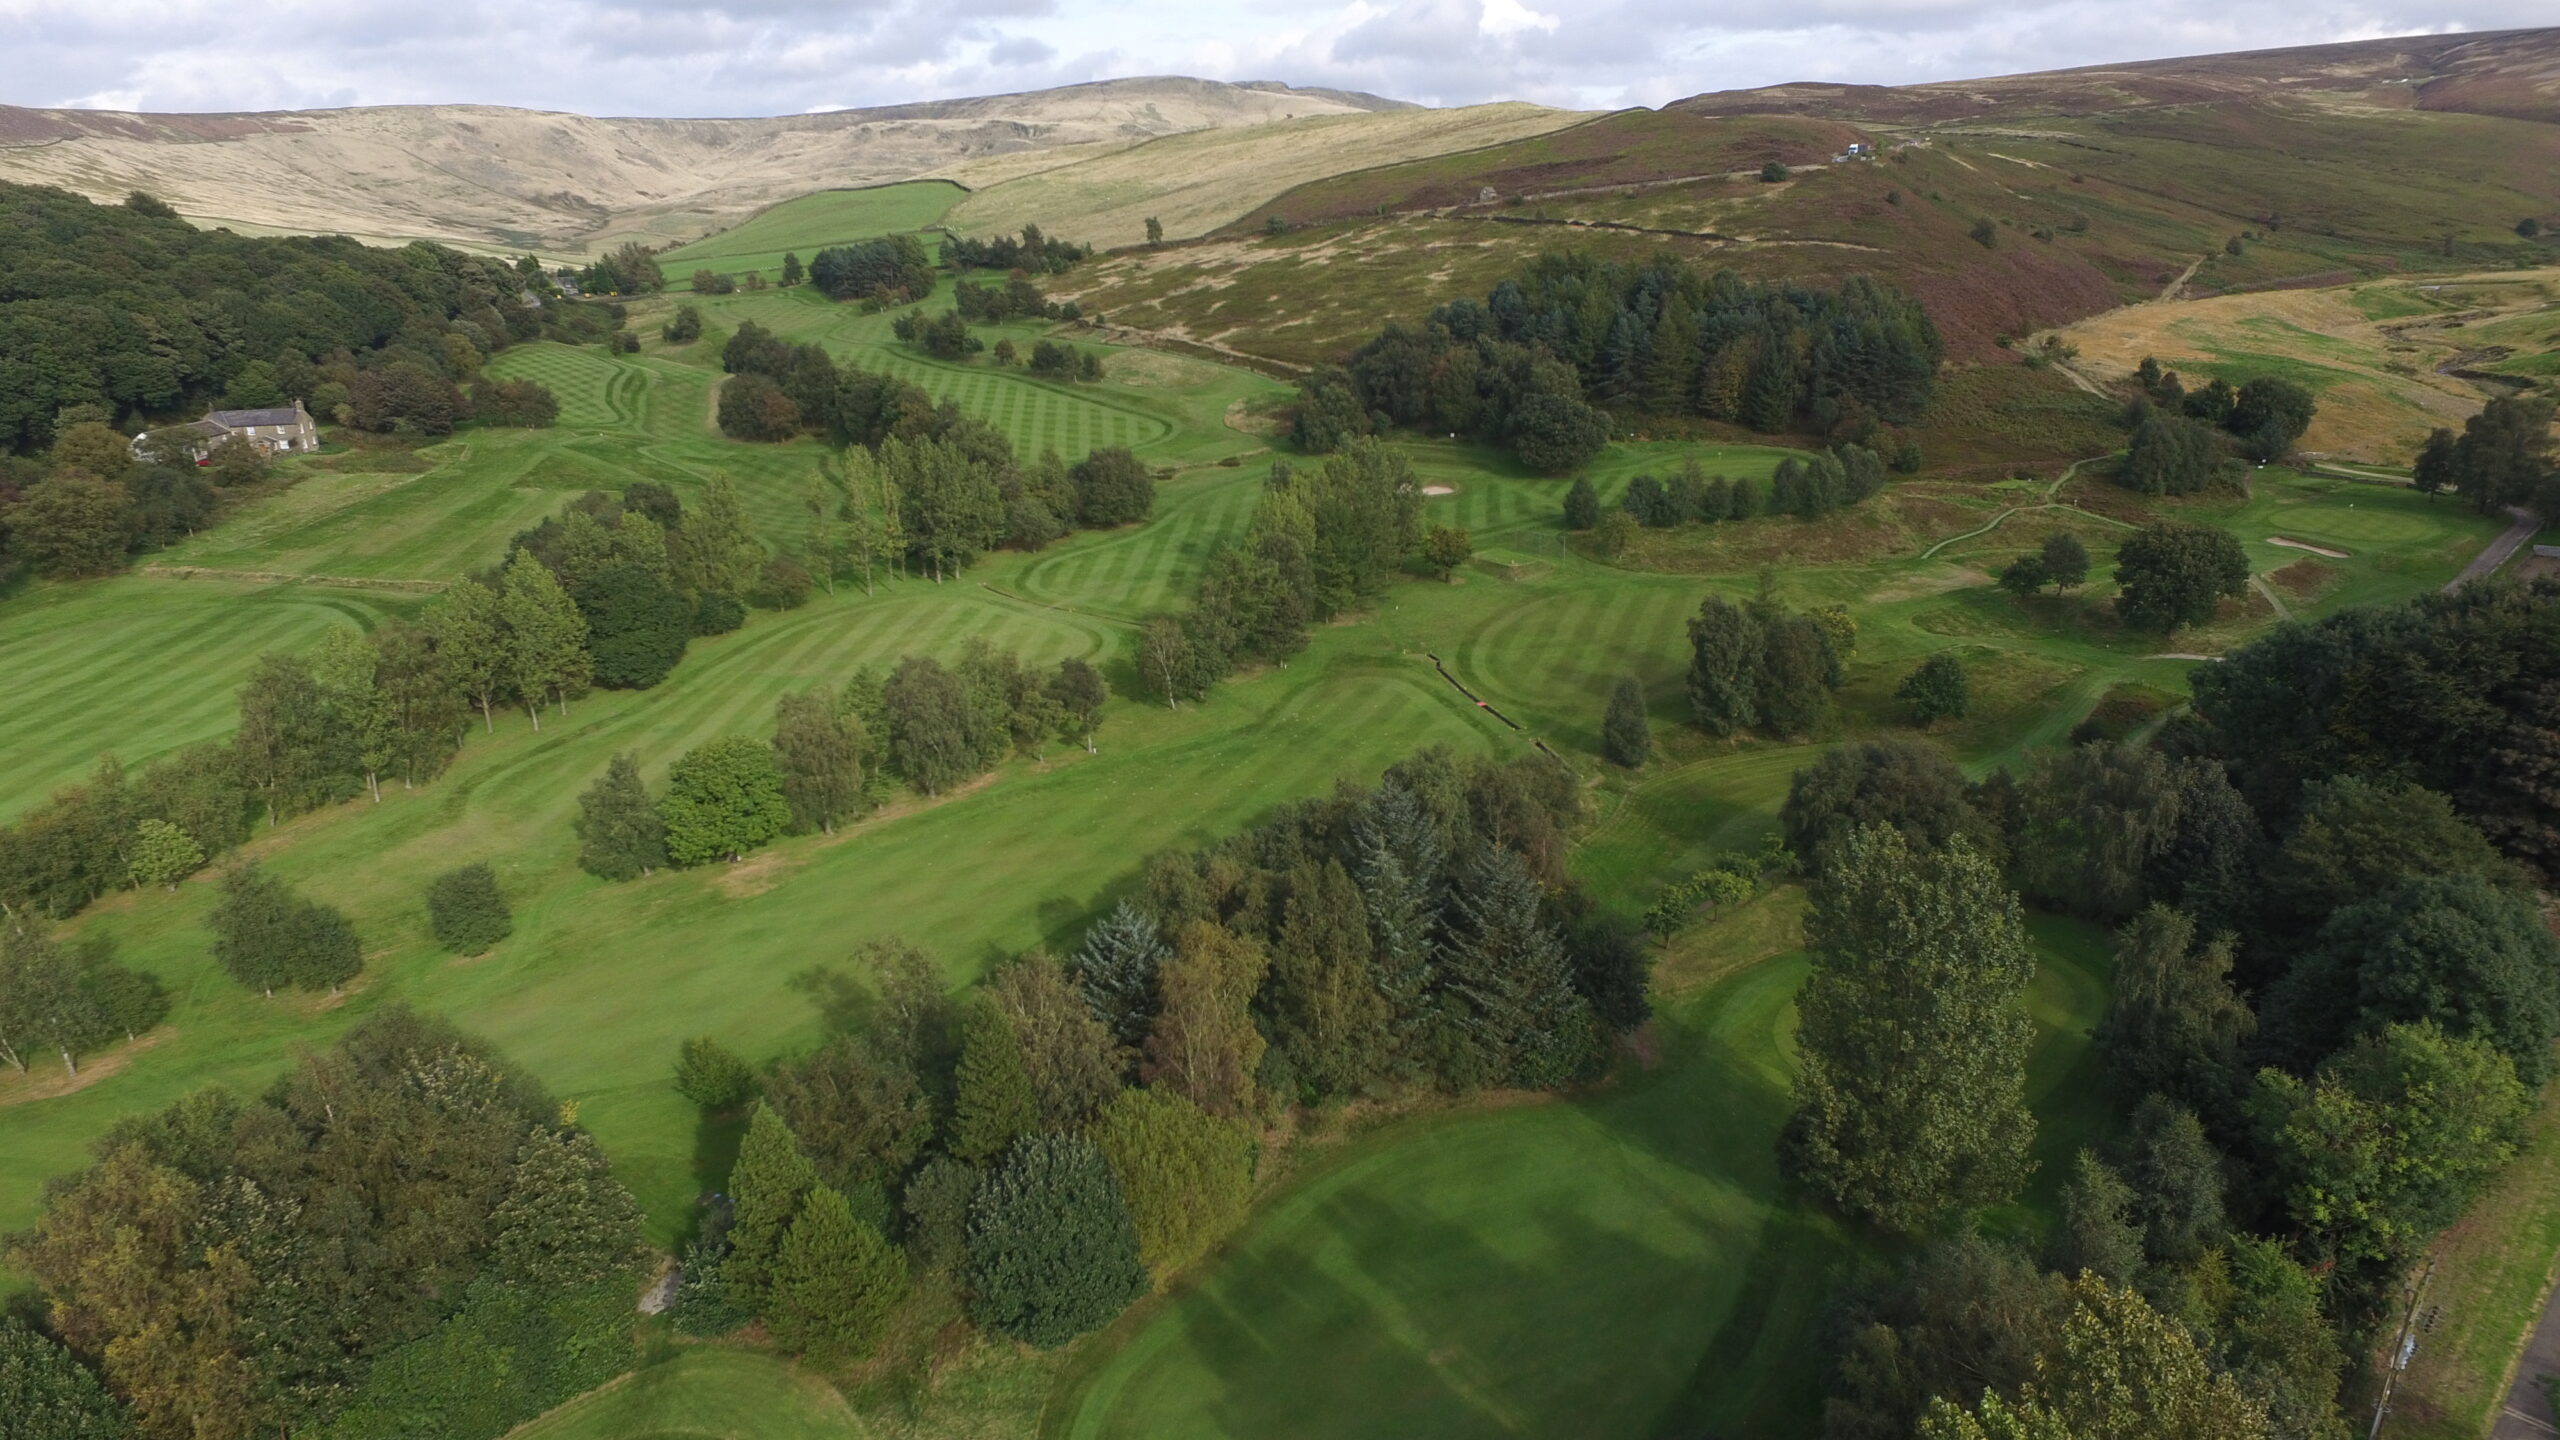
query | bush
(718,614)
(712,1076)
(784,584)
(1937,690)
(506,1356)
(685,328)
(467,911)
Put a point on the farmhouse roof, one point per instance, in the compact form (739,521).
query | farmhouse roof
(274,415)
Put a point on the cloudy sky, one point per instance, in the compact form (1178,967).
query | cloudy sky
(763,57)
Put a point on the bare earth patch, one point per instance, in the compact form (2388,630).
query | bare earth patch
(45,1082)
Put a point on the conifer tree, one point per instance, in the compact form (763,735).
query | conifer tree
(162,854)
(835,1280)
(1116,970)
(2098,1233)
(1625,735)
(1724,667)
(546,637)
(46,1394)
(992,1104)
(1052,1251)
(565,1220)
(766,1190)
(470,632)
(1508,984)
(1325,1012)
(1914,1034)
(620,833)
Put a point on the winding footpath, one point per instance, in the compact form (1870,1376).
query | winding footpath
(2048,503)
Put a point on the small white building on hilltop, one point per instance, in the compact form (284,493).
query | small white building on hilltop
(277,430)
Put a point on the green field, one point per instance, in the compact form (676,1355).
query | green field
(810,224)
(1646,1219)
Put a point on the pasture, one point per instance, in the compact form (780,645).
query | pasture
(1645,1220)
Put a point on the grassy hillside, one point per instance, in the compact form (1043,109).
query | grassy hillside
(1196,182)
(812,223)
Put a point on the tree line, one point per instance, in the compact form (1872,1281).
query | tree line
(1531,366)
(610,593)
(2333,999)
(832,756)
(403,1236)
(1052,1142)
(1322,541)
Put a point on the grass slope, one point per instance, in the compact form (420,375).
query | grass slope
(812,223)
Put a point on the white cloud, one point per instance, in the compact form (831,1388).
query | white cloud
(762,57)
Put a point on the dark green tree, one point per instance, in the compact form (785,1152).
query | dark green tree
(1581,505)
(1112,487)
(2066,560)
(637,626)
(1321,1004)
(1725,659)
(2269,415)
(1052,1251)
(1506,984)
(2504,452)
(2454,950)
(621,836)
(1626,736)
(466,911)
(1937,690)
(792,273)
(266,936)
(2174,574)
(1080,694)
(48,1395)
(1913,786)
(937,738)
(1797,669)
(712,1076)
(2172,455)
(1911,1096)
(2176,1178)
(2024,576)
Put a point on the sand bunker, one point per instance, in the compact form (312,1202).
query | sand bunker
(1439,489)
(2301,545)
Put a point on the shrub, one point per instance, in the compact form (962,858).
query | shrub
(1937,690)
(717,613)
(711,1075)
(467,911)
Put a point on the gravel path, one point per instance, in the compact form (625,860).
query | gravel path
(2499,549)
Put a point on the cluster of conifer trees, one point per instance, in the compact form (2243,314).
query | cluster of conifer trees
(1050,1141)
(832,757)
(1322,541)
(1525,367)
(1031,252)
(403,1237)
(2333,998)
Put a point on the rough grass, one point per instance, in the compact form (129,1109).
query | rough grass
(1197,182)
(705,1393)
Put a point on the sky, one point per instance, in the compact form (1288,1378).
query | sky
(772,57)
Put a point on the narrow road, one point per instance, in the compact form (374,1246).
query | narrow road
(2527,1412)
(2170,291)
(2498,550)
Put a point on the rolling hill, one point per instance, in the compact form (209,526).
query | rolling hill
(488,176)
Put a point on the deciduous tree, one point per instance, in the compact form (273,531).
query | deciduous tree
(621,835)
(1626,736)
(1914,1034)
(724,798)
(1186,1175)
